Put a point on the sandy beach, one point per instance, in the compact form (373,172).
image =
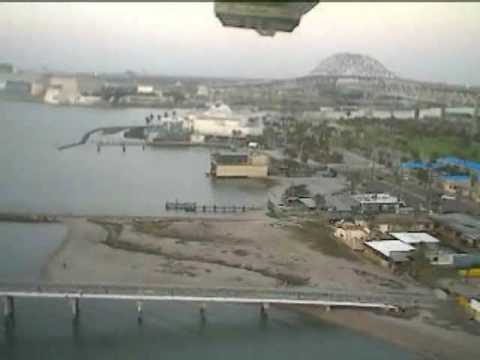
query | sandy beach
(235,251)
(253,250)
(426,336)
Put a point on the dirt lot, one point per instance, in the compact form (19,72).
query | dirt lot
(222,252)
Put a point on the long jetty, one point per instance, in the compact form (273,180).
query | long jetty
(194,207)
(326,298)
(86,136)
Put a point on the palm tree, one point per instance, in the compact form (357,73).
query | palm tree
(473,183)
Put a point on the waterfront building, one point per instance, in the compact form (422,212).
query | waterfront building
(38,88)
(62,90)
(239,165)
(6,68)
(18,87)
(52,95)
(220,121)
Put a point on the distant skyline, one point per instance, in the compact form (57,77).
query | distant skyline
(424,41)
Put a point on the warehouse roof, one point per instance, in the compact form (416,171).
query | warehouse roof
(380,198)
(468,226)
(386,247)
(415,237)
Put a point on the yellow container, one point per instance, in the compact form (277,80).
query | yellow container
(462,301)
(473,272)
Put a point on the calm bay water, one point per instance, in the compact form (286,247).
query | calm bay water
(37,177)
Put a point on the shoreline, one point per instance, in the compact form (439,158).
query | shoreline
(413,334)
(227,250)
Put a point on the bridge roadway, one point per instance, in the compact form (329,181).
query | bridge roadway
(327,297)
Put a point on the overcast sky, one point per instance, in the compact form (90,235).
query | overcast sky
(438,42)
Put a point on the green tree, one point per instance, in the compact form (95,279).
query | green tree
(434,155)
(473,182)
(415,154)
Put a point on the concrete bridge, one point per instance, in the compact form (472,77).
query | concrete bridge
(421,92)
(326,298)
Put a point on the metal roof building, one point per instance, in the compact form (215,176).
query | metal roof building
(415,238)
(467,227)
(393,250)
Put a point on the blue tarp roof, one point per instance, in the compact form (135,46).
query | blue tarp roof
(447,160)
(457,178)
(413,164)
(467,164)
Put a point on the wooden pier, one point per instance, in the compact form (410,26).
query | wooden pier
(327,298)
(194,207)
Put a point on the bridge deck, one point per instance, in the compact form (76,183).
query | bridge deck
(319,297)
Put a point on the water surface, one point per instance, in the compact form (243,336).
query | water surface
(34,176)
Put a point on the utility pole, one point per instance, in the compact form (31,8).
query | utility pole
(372,158)
(429,187)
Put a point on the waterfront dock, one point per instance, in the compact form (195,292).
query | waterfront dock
(194,207)
(327,298)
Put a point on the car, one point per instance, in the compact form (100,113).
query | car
(448,197)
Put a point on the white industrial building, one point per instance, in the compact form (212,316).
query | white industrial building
(220,121)
(378,202)
(145,89)
(389,251)
(62,90)
(202,90)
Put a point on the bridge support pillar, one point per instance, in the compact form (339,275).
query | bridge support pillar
(139,312)
(75,305)
(8,306)
(328,308)
(203,312)
(443,112)
(263,309)
(416,113)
